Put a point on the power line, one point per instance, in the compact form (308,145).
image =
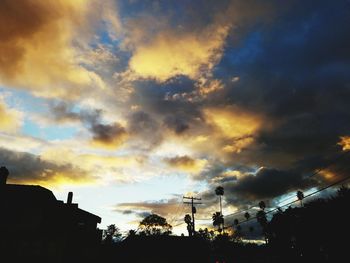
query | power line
(342,155)
(294,201)
(175,222)
(179,224)
(175,218)
(311,194)
(280,203)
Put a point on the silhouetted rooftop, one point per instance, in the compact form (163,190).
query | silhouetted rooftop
(15,193)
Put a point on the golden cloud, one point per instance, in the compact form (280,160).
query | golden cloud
(210,87)
(162,208)
(345,142)
(87,161)
(236,128)
(37,50)
(107,168)
(204,88)
(56,178)
(228,175)
(186,163)
(172,53)
(10,119)
(328,175)
(16,141)
(28,168)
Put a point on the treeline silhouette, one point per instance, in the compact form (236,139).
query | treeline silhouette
(36,227)
(317,231)
(314,231)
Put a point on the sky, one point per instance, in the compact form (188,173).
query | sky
(133,104)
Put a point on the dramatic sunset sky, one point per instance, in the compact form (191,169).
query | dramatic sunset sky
(132,104)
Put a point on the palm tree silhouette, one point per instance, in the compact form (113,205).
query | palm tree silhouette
(218,220)
(262,205)
(300,196)
(220,192)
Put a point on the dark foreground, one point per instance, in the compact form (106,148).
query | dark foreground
(175,249)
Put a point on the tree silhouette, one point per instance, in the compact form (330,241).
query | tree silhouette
(262,205)
(220,192)
(131,233)
(238,228)
(300,196)
(155,225)
(112,232)
(313,230)
(188,221)
(218,220)
(343,191)
(205,234)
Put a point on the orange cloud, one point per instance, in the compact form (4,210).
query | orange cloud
(345,142)
(172,53)
(10,119)
(27,168)
(36,48)
(186,163)
(228,175)
(204,88)
(236,128)
(104,167)
(162,208)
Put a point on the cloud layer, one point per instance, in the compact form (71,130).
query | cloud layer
(249,95)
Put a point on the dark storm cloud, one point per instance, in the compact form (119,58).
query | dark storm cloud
(179,117)
(146,129)
(298,65)
(151,95)
(176,124)
(29,168)
(103,134)
(248,188)
(107,133)
(295,72)
(266,183)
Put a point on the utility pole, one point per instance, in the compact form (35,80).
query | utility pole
(193,208)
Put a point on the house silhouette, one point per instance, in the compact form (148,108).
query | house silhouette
(35,225)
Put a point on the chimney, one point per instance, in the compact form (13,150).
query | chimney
(4,173)
(70,198)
